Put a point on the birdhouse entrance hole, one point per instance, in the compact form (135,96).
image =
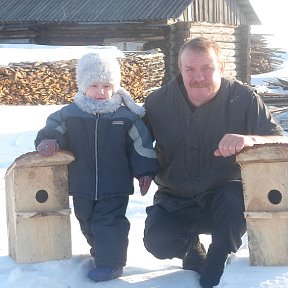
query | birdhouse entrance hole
(275,196)
(41,196)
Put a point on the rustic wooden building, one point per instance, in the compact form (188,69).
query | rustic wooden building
(163,24)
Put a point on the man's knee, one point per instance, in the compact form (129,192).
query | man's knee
(161,238)
(158,244)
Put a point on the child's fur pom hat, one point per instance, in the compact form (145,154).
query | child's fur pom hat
(94,67)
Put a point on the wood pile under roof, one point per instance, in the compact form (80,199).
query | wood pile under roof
(263,58)
(41,83)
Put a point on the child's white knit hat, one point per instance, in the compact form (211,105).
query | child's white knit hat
(97,67)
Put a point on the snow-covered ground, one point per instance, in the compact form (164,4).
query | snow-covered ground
(19,125)
(260,80)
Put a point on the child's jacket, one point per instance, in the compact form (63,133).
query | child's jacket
(110,149)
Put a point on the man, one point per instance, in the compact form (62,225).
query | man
(200,120)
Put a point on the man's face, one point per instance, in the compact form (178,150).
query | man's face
(201,72)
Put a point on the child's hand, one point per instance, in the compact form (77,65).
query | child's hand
(47,147)
(144,184)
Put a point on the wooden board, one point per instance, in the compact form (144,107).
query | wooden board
(33,159)
(41,239)
(268,241)
(261,178)
(263,153)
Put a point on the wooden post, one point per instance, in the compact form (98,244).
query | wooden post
(264,170)
(38,214)
(245,58)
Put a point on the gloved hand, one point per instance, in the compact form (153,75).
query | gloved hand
(144,184)
(47,147)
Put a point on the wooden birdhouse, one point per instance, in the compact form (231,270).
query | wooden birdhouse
(38,214)
(264,170)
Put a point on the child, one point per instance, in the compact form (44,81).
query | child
(111,145)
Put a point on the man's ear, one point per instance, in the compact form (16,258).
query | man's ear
(222,66)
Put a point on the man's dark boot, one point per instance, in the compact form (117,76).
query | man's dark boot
(213,267)
(195,256)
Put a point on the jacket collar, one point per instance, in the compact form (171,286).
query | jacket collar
(94,106)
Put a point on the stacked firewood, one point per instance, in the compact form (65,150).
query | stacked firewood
(37,83)
(43,83)
(146,69)
(263,59)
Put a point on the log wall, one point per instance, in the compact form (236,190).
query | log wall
(168,37)
(234,42)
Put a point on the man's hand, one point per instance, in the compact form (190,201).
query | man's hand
(144,184)
(47,147)
(230,144)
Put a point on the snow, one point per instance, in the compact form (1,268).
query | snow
(19,125)
(260,80)
(33,53)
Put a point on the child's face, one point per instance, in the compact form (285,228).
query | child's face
(100,91)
